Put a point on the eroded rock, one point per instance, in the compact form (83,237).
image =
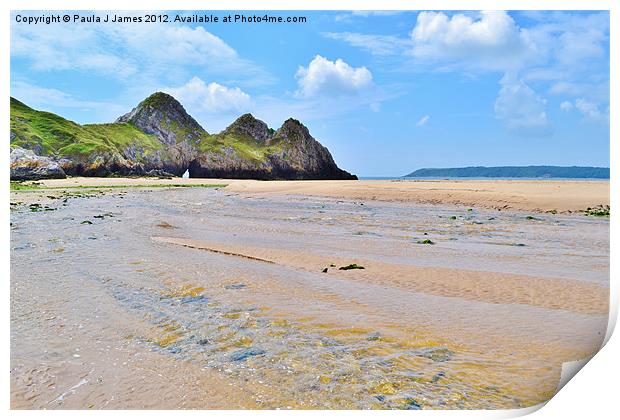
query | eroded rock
(27,165)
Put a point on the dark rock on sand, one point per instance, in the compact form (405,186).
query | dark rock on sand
(241,355)
(235,286)
(411,404)
(436,354)
(352,267)
(374,337)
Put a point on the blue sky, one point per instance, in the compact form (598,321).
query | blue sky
(386,92)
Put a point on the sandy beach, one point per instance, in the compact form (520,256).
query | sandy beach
(310,209)
(303,294)
(530,195)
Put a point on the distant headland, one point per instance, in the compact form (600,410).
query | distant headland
(513,172)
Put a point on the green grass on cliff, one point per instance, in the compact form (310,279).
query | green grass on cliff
(245,146)
(182,133)
(52,135)
(56,136)
(157,100)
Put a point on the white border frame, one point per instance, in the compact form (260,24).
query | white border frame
(592,394)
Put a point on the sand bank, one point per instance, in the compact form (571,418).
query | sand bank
(538,195)
(232,299)
(499,288)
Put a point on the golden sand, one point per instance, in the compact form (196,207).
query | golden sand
(482,286)
(536,195)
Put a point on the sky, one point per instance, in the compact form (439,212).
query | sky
(386,92)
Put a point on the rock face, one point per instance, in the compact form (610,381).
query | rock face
(164,116)
(306,154)
(26,165)
(250,126)
(158,137)
(292,153)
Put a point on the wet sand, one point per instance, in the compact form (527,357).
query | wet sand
(489,287)
(530,195)
(215,298)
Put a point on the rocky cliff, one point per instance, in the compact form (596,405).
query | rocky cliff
(288,153)
(27,165)
(158,137)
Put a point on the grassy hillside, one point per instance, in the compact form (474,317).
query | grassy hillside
(55,136)
(52,135)
(244,146)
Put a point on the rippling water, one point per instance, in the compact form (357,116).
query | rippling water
(102,316)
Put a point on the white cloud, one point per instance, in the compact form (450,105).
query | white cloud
(40,96)
(375,106)
(422,122)
(555,48)
(348,17)
(47,98)
(130,52)
(210,98)
(366,13)
(493,41)
(559,88)
(67,47)
(491,29)
(374,44)
(578,45)
(590,110)
(521,110)
(597,91)
(323,76)
(574,55)
(566,51)
(490,40)
(178,44)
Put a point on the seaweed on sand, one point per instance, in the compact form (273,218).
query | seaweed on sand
(351,267)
